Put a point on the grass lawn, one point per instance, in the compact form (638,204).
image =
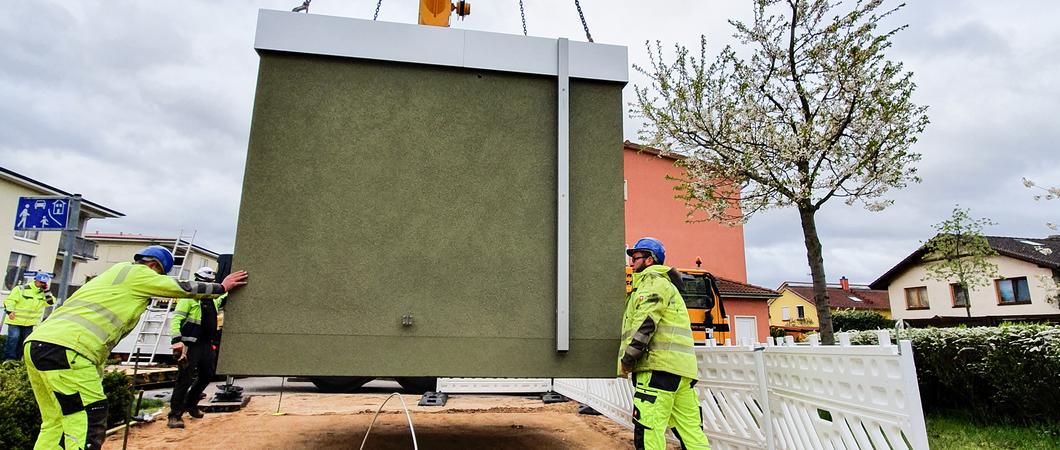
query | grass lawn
(956,430)
(150,405)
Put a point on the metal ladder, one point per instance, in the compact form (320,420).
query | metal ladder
(153,322)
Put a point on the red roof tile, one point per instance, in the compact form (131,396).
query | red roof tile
(857,298)
(732,288)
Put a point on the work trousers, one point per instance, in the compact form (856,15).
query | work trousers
(69,392)
(16,339)
(192,378)
(664,401)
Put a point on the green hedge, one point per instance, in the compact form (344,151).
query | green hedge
(859,319)
(20,418)
(1005,374)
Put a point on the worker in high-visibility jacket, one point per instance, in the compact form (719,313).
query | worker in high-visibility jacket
(25,305)
(657,348)
(194,329)
(65,355)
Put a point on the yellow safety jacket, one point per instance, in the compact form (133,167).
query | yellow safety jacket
(104,310)
(656,332)
(27,301)
(187,319)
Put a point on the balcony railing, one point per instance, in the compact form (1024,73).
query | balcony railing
(83,248)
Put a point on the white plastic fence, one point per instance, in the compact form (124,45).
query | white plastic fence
(779,395)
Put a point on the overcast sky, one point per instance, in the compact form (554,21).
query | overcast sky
(145,107)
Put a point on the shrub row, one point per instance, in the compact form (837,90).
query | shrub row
(859,319)
(20,418)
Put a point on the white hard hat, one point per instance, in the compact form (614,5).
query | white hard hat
(204,274)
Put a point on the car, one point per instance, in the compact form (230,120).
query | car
(40,204)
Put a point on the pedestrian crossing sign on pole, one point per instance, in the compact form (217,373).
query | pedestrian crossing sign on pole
(42,213)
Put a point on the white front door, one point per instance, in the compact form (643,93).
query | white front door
(746,329)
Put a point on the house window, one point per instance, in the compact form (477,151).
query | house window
(959,294)
(916,297)
(801,312)
(1012,291)
(786,312)
(16,264)
(29,235)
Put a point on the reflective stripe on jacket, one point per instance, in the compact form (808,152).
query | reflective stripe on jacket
(28,302)
(656,332)
(187,319)
(104,310)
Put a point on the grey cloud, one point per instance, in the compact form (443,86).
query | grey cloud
(972,38)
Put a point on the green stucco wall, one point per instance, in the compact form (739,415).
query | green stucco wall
(376,189)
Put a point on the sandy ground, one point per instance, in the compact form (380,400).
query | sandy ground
(326,421)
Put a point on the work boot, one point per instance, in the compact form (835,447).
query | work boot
(175,422)
(195,412)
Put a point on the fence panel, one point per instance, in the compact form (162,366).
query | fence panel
(612,397)
(812,396)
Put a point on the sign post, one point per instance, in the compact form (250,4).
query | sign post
(53,214)
(69,240)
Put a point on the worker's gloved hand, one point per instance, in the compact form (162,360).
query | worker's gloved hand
(626,370)
(11,316)
(234,280)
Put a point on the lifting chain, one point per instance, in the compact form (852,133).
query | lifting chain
(523,15)
(377,5)
(584,25)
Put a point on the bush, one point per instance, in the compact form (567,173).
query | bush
(1005,374)
(777,332)
(859,319)
(120,396)
(20,418)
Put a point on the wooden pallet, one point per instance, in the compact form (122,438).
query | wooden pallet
(146,376)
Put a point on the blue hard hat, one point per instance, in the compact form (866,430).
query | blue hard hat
(43,276)
(158,253)
(650,245)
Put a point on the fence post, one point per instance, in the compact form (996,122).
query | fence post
(763,392)
(918,435)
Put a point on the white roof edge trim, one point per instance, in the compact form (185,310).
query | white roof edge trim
(386,41)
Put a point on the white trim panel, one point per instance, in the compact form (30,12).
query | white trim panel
(387,41)
(494,385)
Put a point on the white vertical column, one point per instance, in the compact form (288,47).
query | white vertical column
(763,393)
(563,199)
(911,389)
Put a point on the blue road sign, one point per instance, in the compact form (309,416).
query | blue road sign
(42,213)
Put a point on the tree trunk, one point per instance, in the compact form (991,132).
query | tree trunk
(816,260)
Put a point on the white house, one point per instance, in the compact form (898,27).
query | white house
(1026,289)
